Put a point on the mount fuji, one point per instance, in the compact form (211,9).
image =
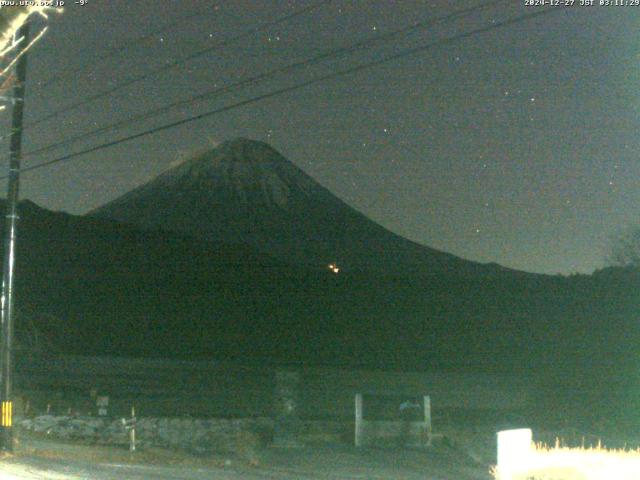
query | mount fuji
(245,192)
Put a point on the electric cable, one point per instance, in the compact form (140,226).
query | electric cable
(261,77)
(324,78)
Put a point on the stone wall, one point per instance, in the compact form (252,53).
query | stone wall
(190,434)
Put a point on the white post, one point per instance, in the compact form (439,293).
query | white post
(514,452)
(132,432)
(358,433)
(427,417)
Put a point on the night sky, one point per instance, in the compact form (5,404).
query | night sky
(517,145)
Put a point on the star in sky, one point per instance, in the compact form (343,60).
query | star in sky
(490,118)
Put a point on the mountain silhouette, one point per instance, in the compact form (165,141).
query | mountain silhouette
(245,192)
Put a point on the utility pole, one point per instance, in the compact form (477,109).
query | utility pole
(10,233)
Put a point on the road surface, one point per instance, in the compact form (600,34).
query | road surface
(319,463)
(49,459)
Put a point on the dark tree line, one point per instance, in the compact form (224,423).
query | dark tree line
(625,249)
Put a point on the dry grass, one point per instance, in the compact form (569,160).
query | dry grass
(564,463)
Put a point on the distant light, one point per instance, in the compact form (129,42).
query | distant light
(334,268)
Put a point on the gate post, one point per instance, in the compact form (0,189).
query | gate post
(286,408)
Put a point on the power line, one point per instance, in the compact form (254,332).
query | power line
(402,54)
(358,68)
(263,76)
(176,63)
(122,48)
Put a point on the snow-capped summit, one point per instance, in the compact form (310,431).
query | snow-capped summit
(244,191)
